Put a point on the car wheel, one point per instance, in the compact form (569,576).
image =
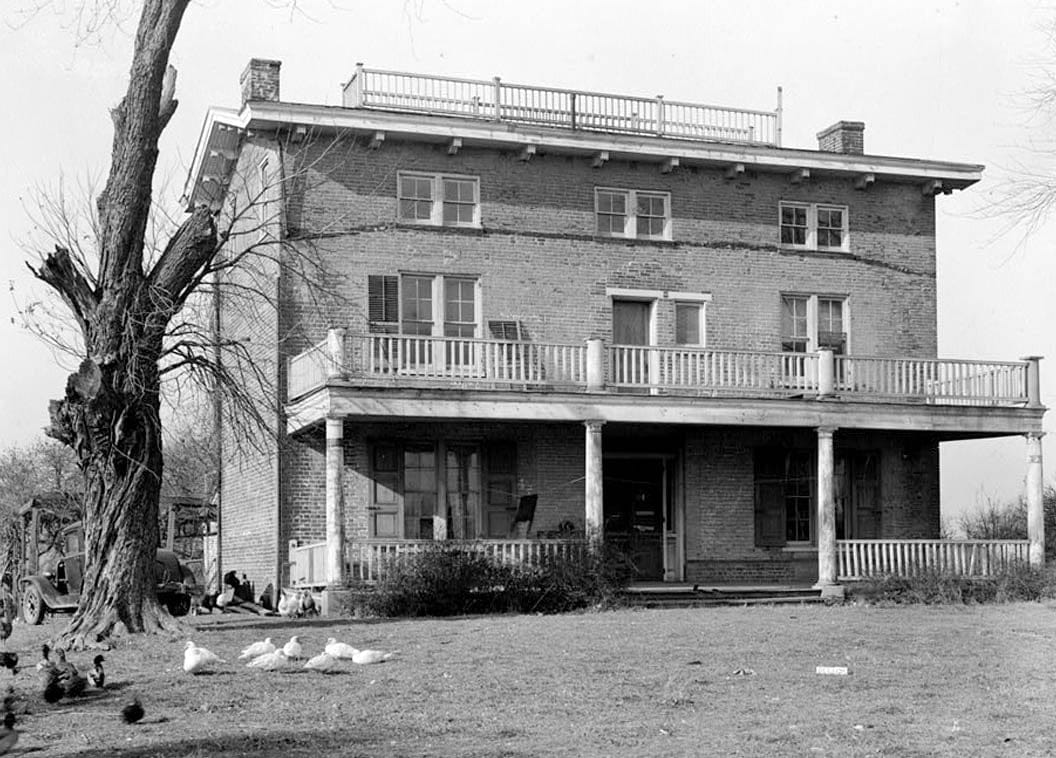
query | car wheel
(178,605)
(32,605)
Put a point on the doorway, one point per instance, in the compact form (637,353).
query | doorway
(635,505)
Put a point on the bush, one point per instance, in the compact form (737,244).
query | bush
(448,580)
(1020,582)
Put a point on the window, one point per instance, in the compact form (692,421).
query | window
(689,323)
(812,226)
(785,496)
(423,304)
(439,199)
(479,484)
(633,213)
(813,322)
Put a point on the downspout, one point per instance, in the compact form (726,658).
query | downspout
(280,377)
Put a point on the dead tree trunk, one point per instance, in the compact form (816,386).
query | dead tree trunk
(109,415)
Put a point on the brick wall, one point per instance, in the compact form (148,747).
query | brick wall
(538,239)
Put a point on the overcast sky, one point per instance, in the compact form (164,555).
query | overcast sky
(937,80)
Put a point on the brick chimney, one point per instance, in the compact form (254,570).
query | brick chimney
(843,137)
(260,80)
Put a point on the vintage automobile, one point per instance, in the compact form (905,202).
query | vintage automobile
(59,591)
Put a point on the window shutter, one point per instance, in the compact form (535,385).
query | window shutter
(769,514)
(382,301)
(770,497)
(506,330)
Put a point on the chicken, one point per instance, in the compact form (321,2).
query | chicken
(292,649)
(45,657)
(337,649)
(257,649)
(365,657)
(197,659)
(132,712)
(289,606)
(323,662)
(307,603)
(269,661)
(97,677)
(69,678)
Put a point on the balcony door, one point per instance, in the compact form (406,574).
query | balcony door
(631,329)
(637,511)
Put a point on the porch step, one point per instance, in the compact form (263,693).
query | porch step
(697,596)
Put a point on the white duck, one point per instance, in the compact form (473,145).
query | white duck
(197,659)
(292,649)
(269,661)
(337,649)
(323,662)
(257,649)
(371,656)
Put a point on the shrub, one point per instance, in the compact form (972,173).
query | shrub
(1019,582)
(447,580)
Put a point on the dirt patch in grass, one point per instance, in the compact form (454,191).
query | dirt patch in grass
(923,681)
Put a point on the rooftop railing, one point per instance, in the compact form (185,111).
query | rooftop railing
(497,100)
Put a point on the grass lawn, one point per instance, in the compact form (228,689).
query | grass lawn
(923,681)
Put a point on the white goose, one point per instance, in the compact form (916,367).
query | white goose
(197,659)
(337,649)
(269,661)
(323,662)
(292,649)
(366,657)
(257,649)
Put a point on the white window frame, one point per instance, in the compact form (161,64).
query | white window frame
(702,320)
(438,302)
(812,226)
(436,216)
(813,320)
(630,229)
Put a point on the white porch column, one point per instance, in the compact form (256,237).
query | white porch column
(826,511)
(595,365)
(593,481)
(335,516)
(1035,500)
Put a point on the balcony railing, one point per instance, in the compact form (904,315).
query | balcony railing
(451,362)
(571,109)
(860,559)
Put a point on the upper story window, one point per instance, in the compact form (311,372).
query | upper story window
(689,323)
(812,322)
(814,226)
(439,199)
(633,213)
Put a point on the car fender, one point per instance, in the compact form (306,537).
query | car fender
(52,599)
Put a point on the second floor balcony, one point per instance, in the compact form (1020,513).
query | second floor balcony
(408,361)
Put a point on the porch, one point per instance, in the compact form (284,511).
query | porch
(366,562)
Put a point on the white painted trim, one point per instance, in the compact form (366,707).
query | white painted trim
(630,228)
(630,293)
(812,226)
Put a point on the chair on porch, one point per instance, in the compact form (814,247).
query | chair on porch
(522,520)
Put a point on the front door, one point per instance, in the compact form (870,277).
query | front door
(634,507)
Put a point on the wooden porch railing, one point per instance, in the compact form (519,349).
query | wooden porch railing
(307,564)
(859,559)
(411,360)
(949,382)
(573,109)
(699,371)
(370,560)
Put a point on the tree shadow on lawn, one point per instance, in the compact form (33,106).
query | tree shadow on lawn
(238,621)
(262,745)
